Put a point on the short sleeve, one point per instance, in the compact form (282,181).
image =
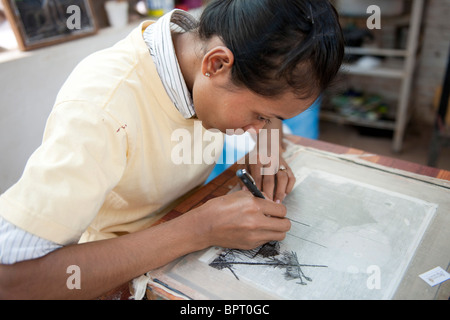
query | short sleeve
(66,180)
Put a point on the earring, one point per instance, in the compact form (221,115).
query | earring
(207,74)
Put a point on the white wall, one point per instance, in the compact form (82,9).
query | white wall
(29,83)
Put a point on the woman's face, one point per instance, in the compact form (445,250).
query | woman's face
(230,107)
(219,103)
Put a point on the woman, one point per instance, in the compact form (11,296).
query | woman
(106,168)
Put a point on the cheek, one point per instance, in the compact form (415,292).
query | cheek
(209,113)
(217,111)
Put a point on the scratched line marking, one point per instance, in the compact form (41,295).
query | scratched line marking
(310,241)
(267,255)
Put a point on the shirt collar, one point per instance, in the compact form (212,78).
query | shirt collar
(158,38)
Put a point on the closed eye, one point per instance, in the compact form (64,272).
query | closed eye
(266,120)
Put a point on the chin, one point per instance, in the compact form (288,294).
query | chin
(210,127)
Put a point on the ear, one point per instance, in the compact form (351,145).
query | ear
(218,61)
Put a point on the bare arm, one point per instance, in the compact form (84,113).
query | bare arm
(104,265)
(237,221)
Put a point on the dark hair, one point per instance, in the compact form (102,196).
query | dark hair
(278,45)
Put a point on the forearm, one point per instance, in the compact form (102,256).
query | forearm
(237,220)
(103,265)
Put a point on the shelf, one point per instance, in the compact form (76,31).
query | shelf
(387,72)
(396,20)
(366,51)
(377,124)
(396,64)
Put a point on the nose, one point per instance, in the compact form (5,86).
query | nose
(254,128)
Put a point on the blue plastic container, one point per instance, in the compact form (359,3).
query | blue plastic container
(306,124)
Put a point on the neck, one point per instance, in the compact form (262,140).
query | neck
(185,49)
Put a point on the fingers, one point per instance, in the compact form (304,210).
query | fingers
(240,220)
(265,207)
(267,228)
(274,224)
(255,171)
(266,223)
(277,186)
(270,208)
(268,185)
(267,237)
(285,183)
